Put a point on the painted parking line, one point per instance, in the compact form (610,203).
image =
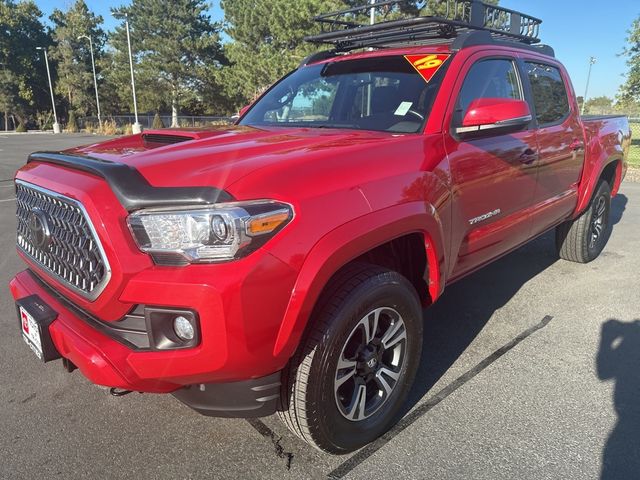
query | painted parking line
(7,200)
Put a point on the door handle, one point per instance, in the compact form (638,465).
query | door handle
(528,156)
(576,145)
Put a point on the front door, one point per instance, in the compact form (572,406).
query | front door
(494,177)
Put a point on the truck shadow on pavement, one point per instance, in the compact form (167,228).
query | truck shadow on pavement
(619,360)
(454,321)
(618,206)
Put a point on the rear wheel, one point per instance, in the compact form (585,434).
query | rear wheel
(355,367)
(583,239)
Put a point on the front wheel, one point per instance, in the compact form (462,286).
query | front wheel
(350,377)
(583,239)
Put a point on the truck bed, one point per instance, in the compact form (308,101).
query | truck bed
(606,136)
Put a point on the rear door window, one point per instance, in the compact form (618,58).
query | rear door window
(549,93)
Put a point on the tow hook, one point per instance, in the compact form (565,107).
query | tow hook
(69,366)
(118,392)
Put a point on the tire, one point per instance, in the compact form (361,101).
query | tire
(582,240)
(337,420)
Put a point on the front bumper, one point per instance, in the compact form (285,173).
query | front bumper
(101,359)
(98,360)
(240,313)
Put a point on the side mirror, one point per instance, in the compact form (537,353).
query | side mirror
(491,115)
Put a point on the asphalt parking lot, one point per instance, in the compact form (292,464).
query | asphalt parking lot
(530,371)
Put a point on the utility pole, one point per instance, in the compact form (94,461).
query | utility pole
(372,18)
(136,127)
(95,79)
(56,125)
(592,61)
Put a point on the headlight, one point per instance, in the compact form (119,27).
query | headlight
(207,234)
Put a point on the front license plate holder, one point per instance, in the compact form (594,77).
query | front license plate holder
(35,316)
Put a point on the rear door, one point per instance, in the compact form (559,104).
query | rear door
(493,176)
(560,140)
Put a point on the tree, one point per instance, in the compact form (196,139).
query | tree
(157,122)
(628,107)
(72,123)
(175,45)
(23,81)
(73,57)
(599,105)
(268,39)
(630,91)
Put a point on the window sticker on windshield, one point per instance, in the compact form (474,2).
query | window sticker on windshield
(403,108)
(427,65)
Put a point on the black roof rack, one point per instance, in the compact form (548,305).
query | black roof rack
(433,21)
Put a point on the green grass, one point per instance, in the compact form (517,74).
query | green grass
(634,153)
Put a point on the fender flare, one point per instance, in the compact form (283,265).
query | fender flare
(585,193)
(349,241)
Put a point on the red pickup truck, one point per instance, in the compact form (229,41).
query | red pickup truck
(282,264)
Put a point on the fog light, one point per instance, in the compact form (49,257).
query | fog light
(184,329)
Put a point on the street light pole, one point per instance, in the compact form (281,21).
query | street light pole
(592,61)
(372,21)
(95,79)
(136,127)
(6,113)
(56,125)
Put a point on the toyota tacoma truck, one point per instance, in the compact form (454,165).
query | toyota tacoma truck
(282,264)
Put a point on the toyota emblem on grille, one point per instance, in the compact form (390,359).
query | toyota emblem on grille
(38,223)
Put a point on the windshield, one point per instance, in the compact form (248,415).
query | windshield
(383,94)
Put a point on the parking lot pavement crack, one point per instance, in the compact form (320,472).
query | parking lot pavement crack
(29,398)
(270,435)
(353,462)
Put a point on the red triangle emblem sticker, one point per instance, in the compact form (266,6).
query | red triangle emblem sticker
(427,65)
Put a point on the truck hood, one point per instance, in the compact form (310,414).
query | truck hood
(221,156)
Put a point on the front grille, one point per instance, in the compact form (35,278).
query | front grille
(56,233)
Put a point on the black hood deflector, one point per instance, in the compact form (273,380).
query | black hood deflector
(130,186)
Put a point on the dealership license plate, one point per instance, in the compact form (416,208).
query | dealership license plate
(35,317)
(31,332)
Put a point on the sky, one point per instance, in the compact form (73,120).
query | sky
(576,29)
